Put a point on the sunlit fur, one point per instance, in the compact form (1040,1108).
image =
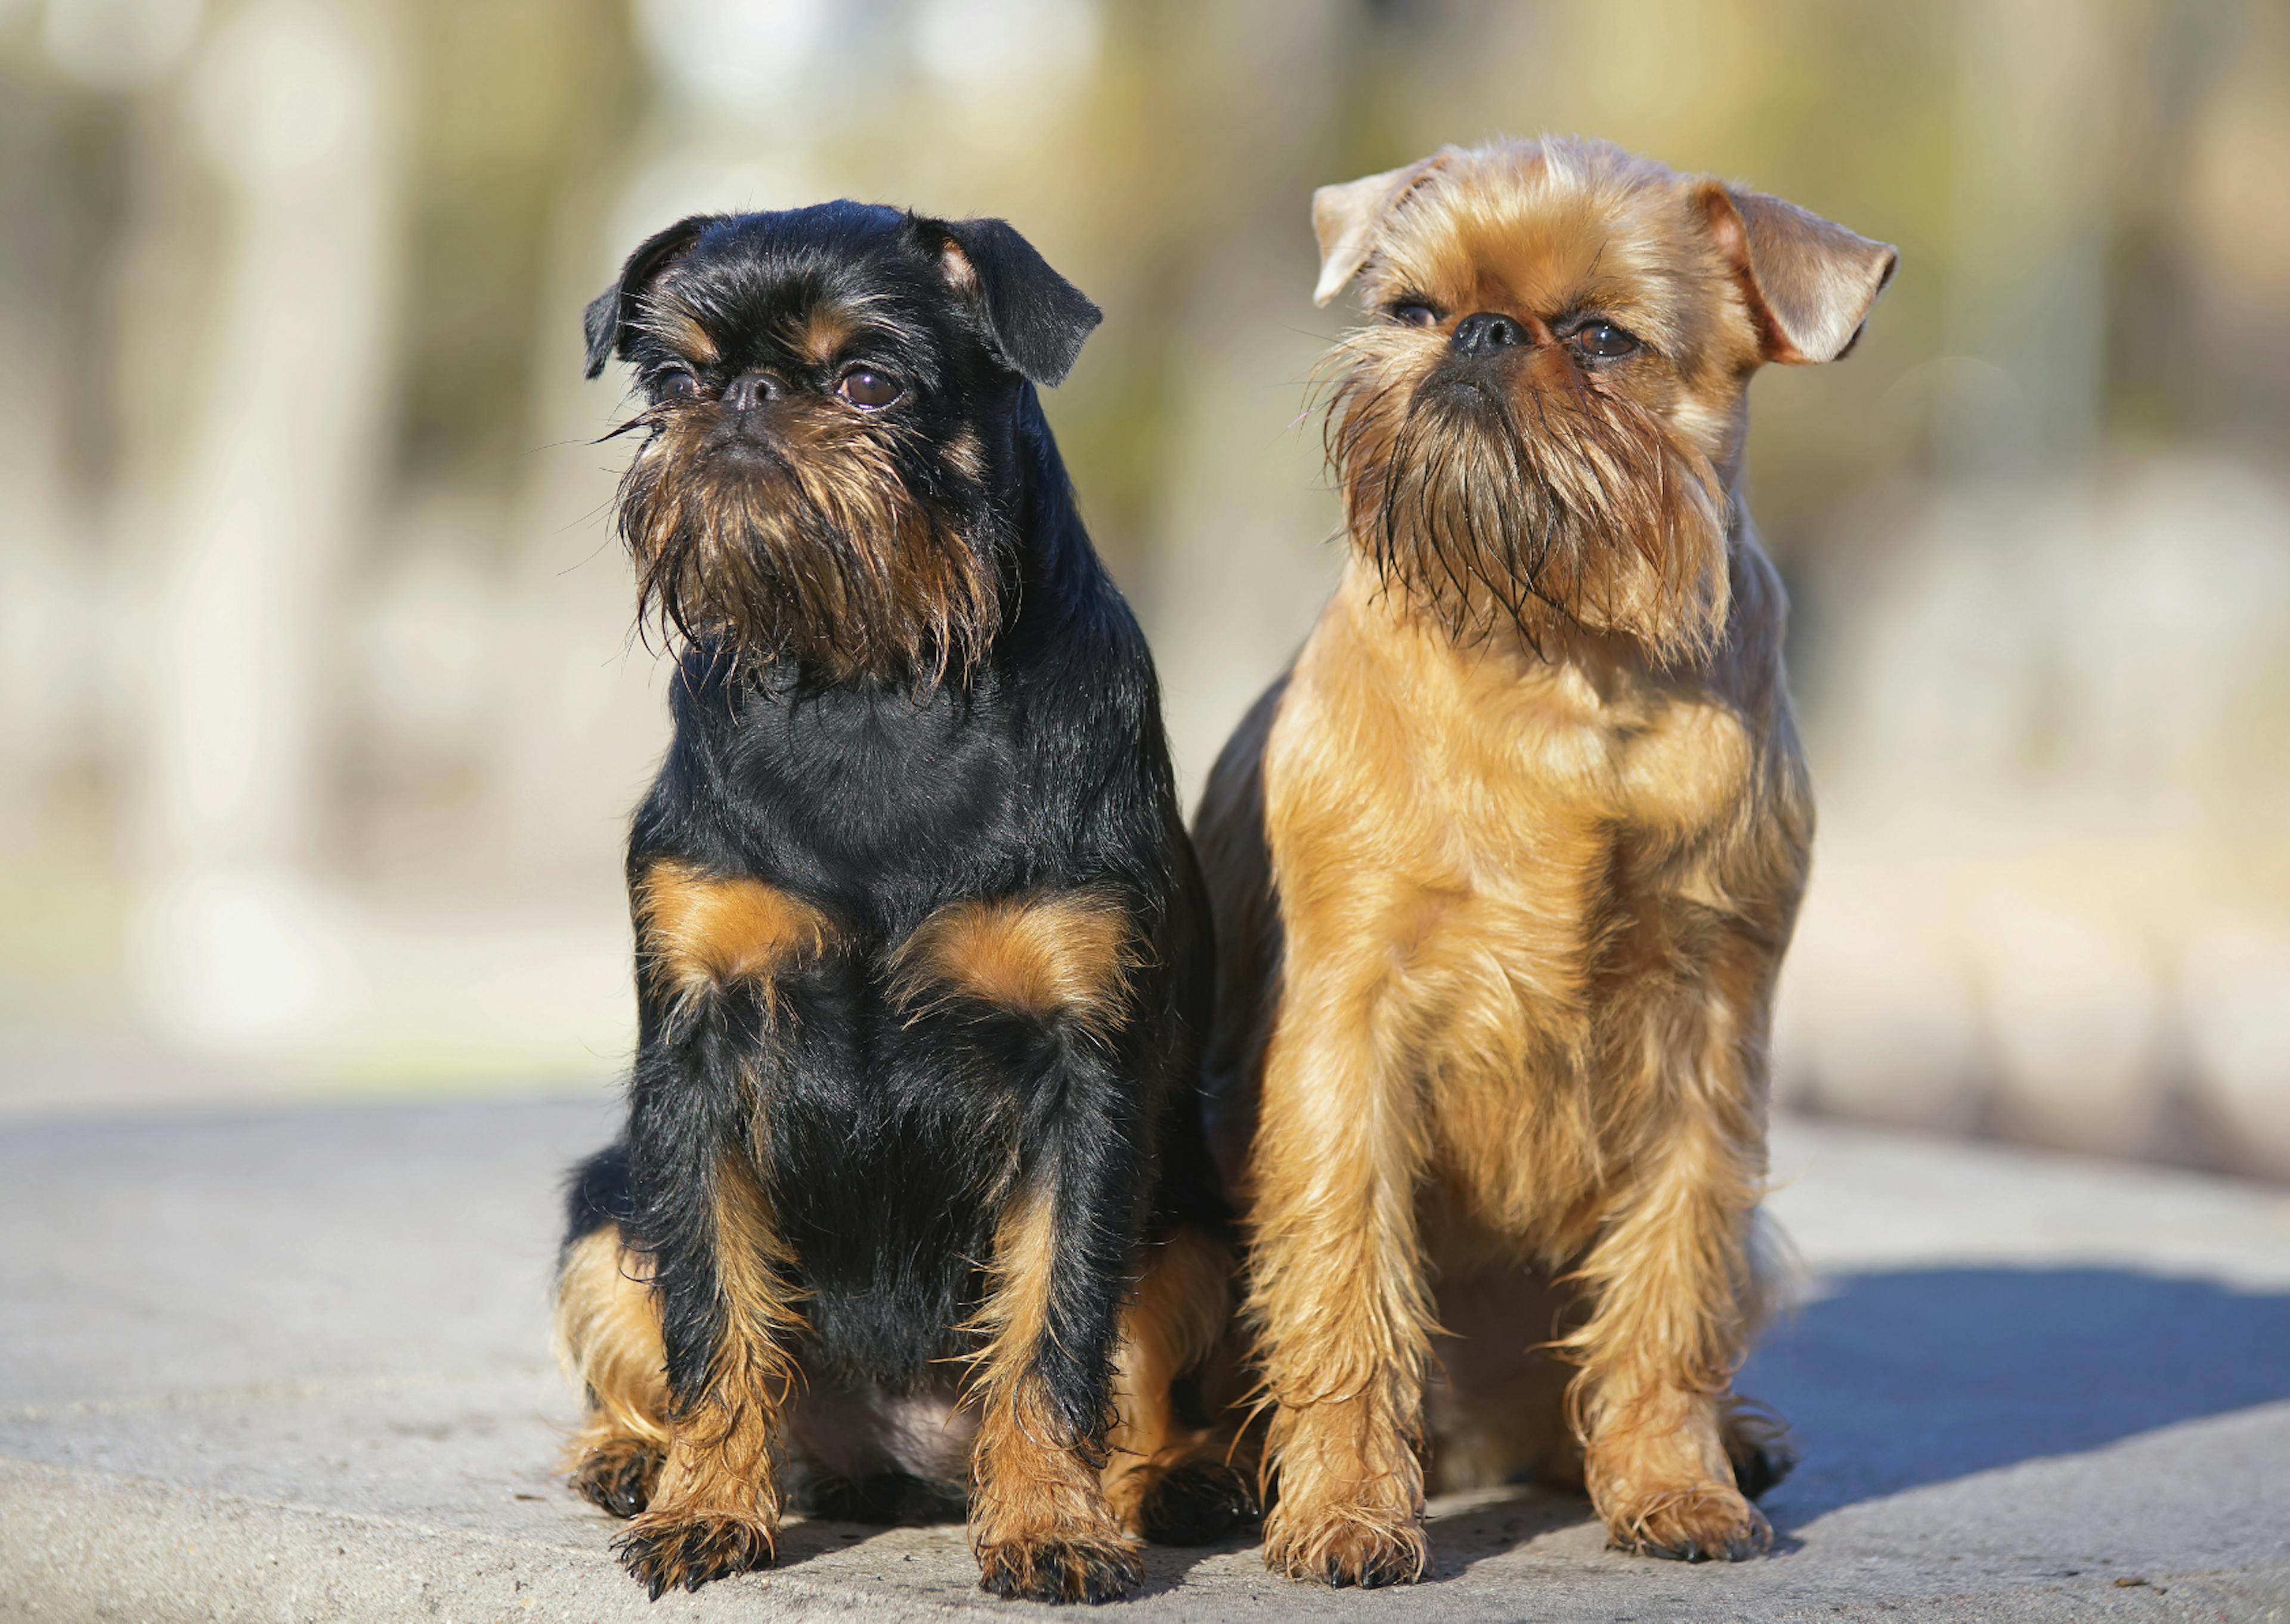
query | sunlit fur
(1544,495)
(1504,867)
(822,541)
(1157,1473)
(912,1210)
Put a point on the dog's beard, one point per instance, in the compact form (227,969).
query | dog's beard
(1493,507)
(817,550)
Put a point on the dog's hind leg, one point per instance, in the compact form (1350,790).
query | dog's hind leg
(1757,1444)
(608,1341)
(1497,1409)
(1172,1478)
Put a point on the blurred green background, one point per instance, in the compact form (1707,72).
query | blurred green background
(320,717)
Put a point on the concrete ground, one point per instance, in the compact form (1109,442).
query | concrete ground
(291,1364)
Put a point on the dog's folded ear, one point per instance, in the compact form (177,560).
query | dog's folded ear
(608,316)
(1346,219)
(1809,282)
(1036,318)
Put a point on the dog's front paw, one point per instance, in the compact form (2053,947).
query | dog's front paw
(1343,1550)
(1705,1524)
(689,1549)
(1086,1570)
(617,1476)
(1196,1503)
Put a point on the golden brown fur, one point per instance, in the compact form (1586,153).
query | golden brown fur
(1505,869)
(697,933)
(1039,956)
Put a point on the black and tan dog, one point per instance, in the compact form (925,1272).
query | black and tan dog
(923,956)
(1504,867)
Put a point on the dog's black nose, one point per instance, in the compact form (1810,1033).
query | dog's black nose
(1476,335)
(749,391)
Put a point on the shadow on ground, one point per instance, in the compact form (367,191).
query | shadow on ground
(1898,1379)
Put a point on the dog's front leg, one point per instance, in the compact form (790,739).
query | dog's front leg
(1338,1291)
(713,952)
(1039,1519)
(1675,1296)
(1046,982)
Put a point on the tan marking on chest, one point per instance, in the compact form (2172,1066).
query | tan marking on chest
(1070,955)
(698,933)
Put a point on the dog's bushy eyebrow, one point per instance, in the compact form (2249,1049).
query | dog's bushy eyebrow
(739,307)
(884,327)
(669,323)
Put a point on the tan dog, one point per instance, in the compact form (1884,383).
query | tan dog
(1505,866)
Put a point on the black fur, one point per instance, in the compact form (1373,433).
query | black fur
(1035,320)
(610,315)
(1038,317)
(895,1137)
(1199,1503)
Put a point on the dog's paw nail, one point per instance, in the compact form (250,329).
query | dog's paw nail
(618,1483)
(1708,1524)
(1060,1570)
(1351,1555)
(663,1555)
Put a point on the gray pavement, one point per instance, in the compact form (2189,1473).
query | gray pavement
(291,1364)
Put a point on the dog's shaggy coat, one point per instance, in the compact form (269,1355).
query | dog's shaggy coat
(1504,866)
(913,1206)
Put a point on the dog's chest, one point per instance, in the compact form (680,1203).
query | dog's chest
(874,782)
(1504,824)
(1517,840)
(1524,803)
(1525,756)
(1558,830)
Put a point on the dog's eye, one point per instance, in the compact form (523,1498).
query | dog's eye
(1603,342)
(675,383)
(867,389)
(1413,313)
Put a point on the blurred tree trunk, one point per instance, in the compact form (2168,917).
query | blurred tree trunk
(295,104)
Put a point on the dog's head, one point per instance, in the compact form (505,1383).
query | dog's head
(1542,424)
(831,460)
